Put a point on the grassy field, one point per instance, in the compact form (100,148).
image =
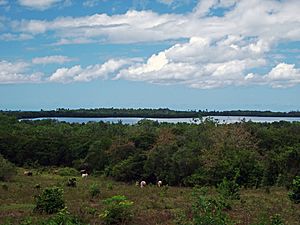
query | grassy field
(152,205)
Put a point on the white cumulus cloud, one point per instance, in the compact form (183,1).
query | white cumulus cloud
(200,63)
(77,73)
(16,73)
(283,75)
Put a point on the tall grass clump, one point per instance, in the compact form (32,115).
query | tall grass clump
(118,210)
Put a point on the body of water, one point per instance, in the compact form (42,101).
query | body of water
(134,120)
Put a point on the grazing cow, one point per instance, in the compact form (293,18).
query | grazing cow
(28,173)
(84,175)
(143,184)
(159,183)
(83,171)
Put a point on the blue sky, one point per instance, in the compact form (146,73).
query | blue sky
(180,54)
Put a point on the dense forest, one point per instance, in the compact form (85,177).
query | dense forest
(257,154)
(143,113)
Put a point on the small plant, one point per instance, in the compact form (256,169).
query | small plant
(118,210)
(276,220)
(71,182)
(229,189)
(294,194)
(94,190)
(50,200)
(27,221)
(63,217)
(207,210)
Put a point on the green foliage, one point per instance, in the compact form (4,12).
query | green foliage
(179,154)
(50,200)
(7,169)
(67,171)
(294,194)
(118,210)
(229,189)
(94,190)
(97,157)
(208,210)
(71,182)
(276,220)
(272,220)
(63,217)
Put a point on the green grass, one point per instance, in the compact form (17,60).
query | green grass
(152,205)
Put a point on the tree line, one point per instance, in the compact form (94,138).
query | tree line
(144,113)
(255,154)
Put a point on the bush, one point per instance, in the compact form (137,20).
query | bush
(229,189)
(208,210)
(7,169)
(276,220)
(67,171)
(63,217)
(71,182)
(294,194)
(118,210)
(94,190)
(50,201)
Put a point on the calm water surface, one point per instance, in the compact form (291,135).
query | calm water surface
(134,120)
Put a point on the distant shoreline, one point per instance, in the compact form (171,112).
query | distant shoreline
(143,113)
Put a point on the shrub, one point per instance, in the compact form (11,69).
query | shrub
(50,200)
(71,182)
(63,217)
(94,190)
(118,210)
(276,220)
(67,171)
(294,194)
(7,169)
(229,189)
(208,210)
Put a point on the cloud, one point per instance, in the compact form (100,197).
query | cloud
(200,63)
(54,59)
(90,3)
(166,2)
(277,20)
(92,72)
(38,4)
(15,37)
(283,75)
(220,50)
(15,73)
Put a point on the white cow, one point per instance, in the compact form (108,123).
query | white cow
(143,184)
(159,183)
(84,175)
